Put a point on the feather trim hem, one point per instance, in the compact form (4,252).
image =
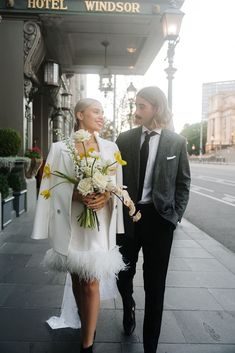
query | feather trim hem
(88,265)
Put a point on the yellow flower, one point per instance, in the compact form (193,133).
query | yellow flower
(46,194)
(119,159)
(90,150)
(47,171)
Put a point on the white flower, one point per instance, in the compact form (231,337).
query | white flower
(81,136)
(94,154)
(136,217)
(126,198)
(85,186)
(100,181)
(131,207)
(111,170)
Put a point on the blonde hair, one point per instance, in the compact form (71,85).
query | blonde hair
(82,105)
(157,98)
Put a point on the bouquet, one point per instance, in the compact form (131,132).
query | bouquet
(92,175)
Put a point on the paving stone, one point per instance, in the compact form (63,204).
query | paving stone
(24,248)
(5,291)
(190,299)
(35,260)
(109,327)
(26,324)
(190,252)
(107,348)
(200,279)
(32,276)
(195,348)
(170,330)
(226,257)
(185,243)
(207,265)
(35,296)
(225,297)
(207,326)
(107,304)
(178,264)
(9,262)
(132,348)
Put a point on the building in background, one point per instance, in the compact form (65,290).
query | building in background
(209,89)
(221,121)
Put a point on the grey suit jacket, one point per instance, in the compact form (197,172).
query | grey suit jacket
(171,174)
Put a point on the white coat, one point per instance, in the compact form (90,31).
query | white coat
(53,216)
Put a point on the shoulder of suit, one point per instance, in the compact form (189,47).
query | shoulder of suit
(174,135)
(131,132)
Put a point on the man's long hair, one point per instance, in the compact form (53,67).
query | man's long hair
(157,98)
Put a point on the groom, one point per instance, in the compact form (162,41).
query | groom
(157,177)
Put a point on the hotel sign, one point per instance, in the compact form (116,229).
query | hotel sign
(86,6)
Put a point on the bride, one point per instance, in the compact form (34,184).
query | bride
(90,257)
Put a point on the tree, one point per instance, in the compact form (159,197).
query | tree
(192,134)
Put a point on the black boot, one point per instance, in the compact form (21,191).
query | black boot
(86,350)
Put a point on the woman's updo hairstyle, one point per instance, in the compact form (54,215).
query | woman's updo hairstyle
(82,105)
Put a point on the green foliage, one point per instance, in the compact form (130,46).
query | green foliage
(192,134)
(34,152)
(4,186)
(16,182)
(10,142)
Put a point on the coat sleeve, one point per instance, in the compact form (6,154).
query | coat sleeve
(120,223)
(182,182)
(41,219)
(119,181)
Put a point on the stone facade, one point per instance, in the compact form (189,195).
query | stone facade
(221,121)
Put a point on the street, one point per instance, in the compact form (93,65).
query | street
(211,205)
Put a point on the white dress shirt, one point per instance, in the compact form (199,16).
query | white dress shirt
(153,147)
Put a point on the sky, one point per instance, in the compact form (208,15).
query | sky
(205,53)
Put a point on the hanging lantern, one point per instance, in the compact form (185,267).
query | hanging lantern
(106,84)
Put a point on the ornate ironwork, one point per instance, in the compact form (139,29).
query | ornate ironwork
(34,49)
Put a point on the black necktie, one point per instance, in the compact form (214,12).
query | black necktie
(144,153)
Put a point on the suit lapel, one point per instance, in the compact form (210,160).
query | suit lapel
(135,155)
(164,144)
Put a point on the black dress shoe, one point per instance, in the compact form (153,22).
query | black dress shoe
(129,318)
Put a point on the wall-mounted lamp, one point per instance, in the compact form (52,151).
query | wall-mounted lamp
(66,100)
(51,73)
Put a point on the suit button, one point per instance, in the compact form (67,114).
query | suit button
(58,211)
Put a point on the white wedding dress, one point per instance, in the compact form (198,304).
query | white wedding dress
(90,253)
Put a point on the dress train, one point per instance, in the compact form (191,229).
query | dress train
(69,313)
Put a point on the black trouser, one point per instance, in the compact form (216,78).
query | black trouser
(154,234)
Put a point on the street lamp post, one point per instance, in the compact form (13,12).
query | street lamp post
(193,149)
(171,23)
(131,93)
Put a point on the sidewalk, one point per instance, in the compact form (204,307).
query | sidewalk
(199,315)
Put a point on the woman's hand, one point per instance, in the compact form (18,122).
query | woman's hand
(96,201)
